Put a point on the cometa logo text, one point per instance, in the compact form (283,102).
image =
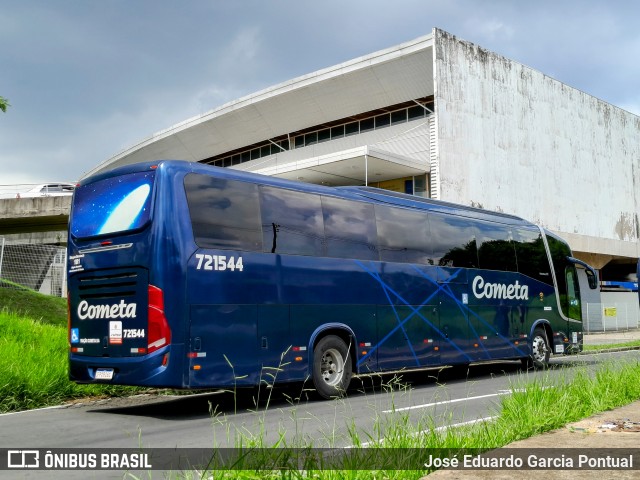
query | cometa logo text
(119,310)
(513,291)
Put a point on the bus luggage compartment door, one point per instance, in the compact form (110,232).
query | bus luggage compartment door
(453,308)
(222,346)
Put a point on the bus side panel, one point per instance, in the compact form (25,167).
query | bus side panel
(407,336)
(494,322)
(405,296)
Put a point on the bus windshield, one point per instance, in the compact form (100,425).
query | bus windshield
(113,205)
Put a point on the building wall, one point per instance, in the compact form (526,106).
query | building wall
(515,140)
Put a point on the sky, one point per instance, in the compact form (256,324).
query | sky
(86,79)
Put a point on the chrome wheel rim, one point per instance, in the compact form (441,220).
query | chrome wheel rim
(539,349)
(332,367)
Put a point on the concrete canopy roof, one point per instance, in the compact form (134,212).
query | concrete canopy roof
(361,165)
(383,78)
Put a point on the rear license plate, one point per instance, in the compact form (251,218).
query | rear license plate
(104,374)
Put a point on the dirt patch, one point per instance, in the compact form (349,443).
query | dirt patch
(615,429)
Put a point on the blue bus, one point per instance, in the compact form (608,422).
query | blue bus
(184,275)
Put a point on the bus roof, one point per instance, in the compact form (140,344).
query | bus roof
(358,193)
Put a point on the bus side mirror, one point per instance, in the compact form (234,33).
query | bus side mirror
(591,273)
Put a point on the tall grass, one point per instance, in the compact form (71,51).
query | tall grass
(536,404)
(33,366)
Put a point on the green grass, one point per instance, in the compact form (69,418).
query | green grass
(536,405)
(33,365)
(28,303)
(593,348)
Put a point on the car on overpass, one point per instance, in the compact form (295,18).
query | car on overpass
(42,190)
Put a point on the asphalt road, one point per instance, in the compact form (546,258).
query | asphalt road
(220,419)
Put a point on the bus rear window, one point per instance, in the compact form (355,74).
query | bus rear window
(113,205)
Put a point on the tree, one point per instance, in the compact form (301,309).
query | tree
(4,103)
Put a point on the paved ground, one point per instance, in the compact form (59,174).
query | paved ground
(607,338)
(615,429)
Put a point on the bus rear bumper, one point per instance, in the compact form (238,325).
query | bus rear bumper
(159,369)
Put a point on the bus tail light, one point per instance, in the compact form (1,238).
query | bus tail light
(158,332)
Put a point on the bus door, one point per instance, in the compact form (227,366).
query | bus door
(570,300)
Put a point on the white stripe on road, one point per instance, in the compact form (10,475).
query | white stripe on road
(32,410)
(427,405)
(437,429)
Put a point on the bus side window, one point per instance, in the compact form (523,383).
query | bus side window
(403,235)
(291,222)
(495,248)
(224,213)
(531,255)
(454,241)
(349,228)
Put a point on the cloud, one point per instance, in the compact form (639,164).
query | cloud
(89,79)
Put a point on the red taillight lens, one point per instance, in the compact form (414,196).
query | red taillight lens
(158,333)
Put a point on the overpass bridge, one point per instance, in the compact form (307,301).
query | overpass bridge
(36,220)
(33,236)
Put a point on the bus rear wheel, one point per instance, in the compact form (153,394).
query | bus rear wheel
(540,350)
(331,367)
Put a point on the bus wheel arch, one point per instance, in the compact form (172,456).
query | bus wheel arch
(540,345)
(332,362)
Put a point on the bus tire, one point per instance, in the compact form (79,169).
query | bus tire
(331,367)
(540,350)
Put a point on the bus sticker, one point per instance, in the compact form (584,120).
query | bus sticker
(115,333)
(219,263)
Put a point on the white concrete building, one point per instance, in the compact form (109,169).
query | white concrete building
(438,117)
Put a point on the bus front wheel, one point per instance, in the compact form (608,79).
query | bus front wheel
(331,367)
(540,350)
